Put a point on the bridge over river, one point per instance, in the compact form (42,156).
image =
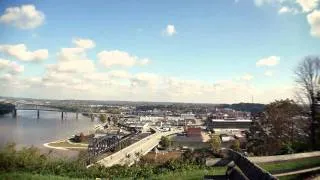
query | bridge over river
(47,107)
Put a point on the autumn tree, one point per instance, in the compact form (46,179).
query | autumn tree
(277,127)
(308,80)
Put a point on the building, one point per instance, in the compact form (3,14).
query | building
(142,127)
(188,116)
(194,132)
(228,124)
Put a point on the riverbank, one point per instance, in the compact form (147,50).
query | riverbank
(65,145)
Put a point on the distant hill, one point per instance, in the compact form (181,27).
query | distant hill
(248,107)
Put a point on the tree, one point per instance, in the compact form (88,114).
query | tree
(308,80)
(103,118)
(278,126)
(115,120)
(235,145)
(109,120)
(165,142)
(215,143)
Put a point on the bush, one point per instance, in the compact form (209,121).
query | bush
(215,143)
(31,160)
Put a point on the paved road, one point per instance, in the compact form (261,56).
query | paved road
(128,155)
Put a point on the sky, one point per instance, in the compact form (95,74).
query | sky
(206,51)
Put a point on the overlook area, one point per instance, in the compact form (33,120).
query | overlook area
(183,89)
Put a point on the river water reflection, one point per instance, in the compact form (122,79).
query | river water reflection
(27,130)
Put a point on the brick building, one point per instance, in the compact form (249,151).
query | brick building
(194,132)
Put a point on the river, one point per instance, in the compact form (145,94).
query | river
(27,130)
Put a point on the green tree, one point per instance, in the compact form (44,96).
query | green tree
(103,118)
(215,143)
(165,142)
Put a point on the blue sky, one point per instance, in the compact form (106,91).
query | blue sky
(211,43)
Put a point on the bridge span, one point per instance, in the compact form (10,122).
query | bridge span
(128,155)
(43,107)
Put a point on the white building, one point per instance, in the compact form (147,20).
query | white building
(143,127)
(151,118)
(187,116)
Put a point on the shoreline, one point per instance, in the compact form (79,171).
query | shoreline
(69,148)
(65,148)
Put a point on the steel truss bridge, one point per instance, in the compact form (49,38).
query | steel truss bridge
(84,109)
(98,146)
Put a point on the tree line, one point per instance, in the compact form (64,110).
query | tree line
(288,126)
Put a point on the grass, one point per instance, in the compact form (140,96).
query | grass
(274,168)
(29,176)
(191,174)
(286,166)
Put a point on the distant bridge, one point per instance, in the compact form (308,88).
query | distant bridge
(47,107)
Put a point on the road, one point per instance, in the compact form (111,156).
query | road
(128,155)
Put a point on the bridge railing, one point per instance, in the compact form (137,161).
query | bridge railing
(240,167)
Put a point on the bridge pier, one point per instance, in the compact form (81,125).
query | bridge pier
(38,114)
(14,112)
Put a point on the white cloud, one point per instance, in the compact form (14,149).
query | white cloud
(11,67)
(119,58)
(314,22)
(268,73)
(269,61)
(20,52)
(81,66)
(6,77)
(143,86)
(74,60)
(84,43)
(118,74)
(263,2)
(16,68)
(170,30)
(4,63)
(144,61)
(144,78)
(308,5)
(247,77)
(285,9)
(24,17)
(70,54)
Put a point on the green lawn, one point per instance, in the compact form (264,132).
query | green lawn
(273,168)
(29,176)
(191,174)
(286,166)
